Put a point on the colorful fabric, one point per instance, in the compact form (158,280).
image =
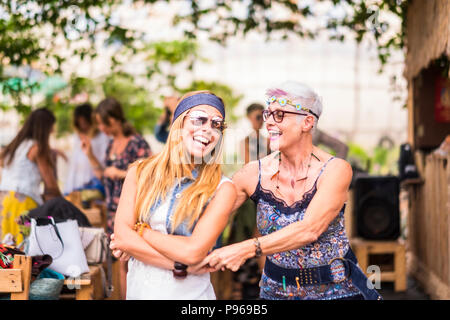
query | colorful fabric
(7,256)
(136,148)
(12,206)
(273,214)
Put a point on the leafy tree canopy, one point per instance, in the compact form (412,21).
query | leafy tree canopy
(34,33)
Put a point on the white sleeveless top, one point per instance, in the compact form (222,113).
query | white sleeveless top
(147,282)
(80,170)
(22,175)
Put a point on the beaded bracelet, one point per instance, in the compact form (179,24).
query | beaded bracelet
(140,226)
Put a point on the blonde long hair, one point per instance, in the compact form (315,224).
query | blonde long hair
(156,176)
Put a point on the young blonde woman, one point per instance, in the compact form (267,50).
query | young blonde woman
(182,203)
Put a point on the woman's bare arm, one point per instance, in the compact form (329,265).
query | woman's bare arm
(193,249)
(331,194)
(245,180)
(128,240)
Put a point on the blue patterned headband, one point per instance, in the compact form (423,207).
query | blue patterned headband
(198,99)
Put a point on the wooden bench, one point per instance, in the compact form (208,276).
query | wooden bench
(17,280)
(396,272)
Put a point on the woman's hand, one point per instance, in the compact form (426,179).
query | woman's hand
(113,173)
(199,269)
(118,253)
(86,145)
(231,257)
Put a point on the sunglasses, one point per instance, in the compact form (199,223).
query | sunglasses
(283,101)
(278,115)
(199,118)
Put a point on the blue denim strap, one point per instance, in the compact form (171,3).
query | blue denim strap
(359,280)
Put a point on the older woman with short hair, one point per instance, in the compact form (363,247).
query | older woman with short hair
(300,192)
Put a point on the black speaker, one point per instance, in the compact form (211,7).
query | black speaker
(376,207)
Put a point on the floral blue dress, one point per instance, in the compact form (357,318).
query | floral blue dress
(273,214)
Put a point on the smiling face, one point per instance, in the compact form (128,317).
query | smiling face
(199,138)
(286,133)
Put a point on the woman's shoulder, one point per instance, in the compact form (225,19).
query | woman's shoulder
(226,185)
(335,169)
(247,177)
(223,180)
(31,148)
(335,163)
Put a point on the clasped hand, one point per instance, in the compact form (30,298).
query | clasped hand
(230,257)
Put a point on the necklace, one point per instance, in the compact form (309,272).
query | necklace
(293,180)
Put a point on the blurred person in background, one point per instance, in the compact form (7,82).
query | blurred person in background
(125,147)
(255,146)
(80,172)
(26,162)
(163,125)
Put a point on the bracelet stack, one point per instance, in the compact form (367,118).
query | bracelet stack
(140,226)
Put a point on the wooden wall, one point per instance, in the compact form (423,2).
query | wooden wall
(429,226)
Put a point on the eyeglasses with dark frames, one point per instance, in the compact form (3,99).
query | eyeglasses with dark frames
(278,115)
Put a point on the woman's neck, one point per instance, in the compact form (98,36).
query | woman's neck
(118,135)
(296,157)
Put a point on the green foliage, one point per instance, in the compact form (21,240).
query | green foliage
(230,99)
(361,18)
(358,157)
(30,29)
(380,160)
(138,106)
(136,101)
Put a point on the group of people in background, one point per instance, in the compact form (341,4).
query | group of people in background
(104,145)
(166,211)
